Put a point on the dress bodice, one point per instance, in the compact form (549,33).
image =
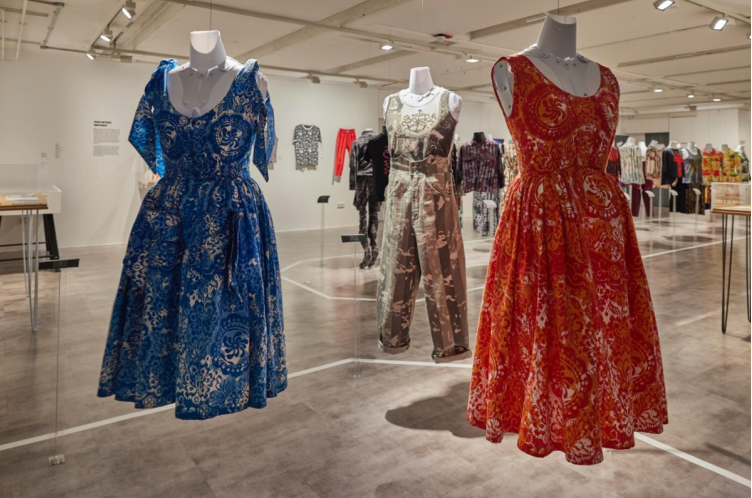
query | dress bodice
(216,144)
(554,129)
(420,133)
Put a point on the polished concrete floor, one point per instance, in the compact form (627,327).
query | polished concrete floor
(396,430)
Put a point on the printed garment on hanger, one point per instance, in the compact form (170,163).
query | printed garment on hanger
(631,165)
(345,138)
(480,166)
(197,319)
(486,220)
(305,141)
(567,352)
(421,232)
(653,162)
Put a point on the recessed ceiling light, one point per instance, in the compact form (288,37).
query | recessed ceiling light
(472,59)
(129,9)
(90,56)
(387,45)
(716,99)
(106,35)
(658,90)
(663,4)
(719,22)
(691,96)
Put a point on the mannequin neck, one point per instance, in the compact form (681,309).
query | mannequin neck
(630,141)
(559,36)
(673,145)
(724,147)
(709,147)
(207,51)
(478,136)
(652,143)
(420,81)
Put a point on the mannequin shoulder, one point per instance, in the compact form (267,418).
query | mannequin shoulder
(263,83)
(455,104)
(503,82)
(385,106)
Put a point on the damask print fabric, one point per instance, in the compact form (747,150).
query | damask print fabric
(422,235)
(306,140)
(197,319)
(511,169)
(567,352)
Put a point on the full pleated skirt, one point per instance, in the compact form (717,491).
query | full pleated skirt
(197,319)
(567,352)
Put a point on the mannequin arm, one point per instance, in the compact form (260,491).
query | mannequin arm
(263,84)
(503,83)
(455,105)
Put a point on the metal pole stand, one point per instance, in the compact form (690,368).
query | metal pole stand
(30,253)
(355,240)
(672,200)
(697,206)
(323,199)
(660,203)
(491,207)
(651,196)
(57,265)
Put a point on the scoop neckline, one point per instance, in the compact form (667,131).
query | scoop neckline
(423,103)
(550,82)
(214,109)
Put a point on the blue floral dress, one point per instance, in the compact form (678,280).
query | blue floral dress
(198,315)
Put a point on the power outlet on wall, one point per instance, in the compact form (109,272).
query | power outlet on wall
(340,205)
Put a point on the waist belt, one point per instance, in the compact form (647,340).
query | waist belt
(429,166)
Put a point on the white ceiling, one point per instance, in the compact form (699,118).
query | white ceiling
(674,50)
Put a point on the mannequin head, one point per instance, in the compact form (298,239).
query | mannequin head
(204,42)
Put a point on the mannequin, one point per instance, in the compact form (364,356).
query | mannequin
(630,141)
(740,149)
(709,147)
(421,88)
(478,136)
(653,143)
(196,87)
(619,144)
(674,145)
(555,55)
(643,148)
(724,147)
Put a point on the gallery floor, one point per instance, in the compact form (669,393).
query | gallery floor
(397,430)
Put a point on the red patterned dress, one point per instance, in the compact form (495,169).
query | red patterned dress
(567,351)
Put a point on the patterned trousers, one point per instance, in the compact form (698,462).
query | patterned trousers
(368,209)
(485,221)
(422,236)
(345,138)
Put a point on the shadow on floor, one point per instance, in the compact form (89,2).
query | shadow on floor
(441,413)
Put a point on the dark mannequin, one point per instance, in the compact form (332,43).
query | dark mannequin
(479,136)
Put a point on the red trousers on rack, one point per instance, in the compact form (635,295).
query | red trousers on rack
(345,138)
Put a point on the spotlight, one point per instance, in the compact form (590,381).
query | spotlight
(362,84)
(106,35)
(90,56)
(129,9)
(658,90)
(716,99)
(314,79)
(749,35)
(663,4)
(718,23)
(387,45)
(691,96)
(127,59)
(472,59)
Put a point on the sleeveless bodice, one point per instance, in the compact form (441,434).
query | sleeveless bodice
(420,134)
(216,144)
(554,129)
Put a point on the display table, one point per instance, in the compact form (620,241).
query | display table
(728,240)
(29,212)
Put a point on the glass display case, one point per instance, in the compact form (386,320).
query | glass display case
(730,195)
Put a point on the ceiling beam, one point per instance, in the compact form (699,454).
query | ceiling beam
(148,22)
(570,10)
(686,55)
(339,19)
(706,71)
(373,60)
(28,12)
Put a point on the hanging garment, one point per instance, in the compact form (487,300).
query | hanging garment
(378,151)
(480,166)
(731,170)
(712,161)
(672,166)
(745,166)
(197,319)
(421,232)
(511,169)
(368,211)
(640,194)
(485,221)
(631,165)
(345,138)
(613,167)
(567,352)
(360,160)
(653,162)
(692,167)
(305,141)
(695,202)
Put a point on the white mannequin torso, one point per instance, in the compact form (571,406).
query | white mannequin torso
(630,141)
(421,88)
(555,56)
(643,148)
(200,85)
(674,145)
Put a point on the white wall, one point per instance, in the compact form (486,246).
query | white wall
(718,126)
(48,99)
